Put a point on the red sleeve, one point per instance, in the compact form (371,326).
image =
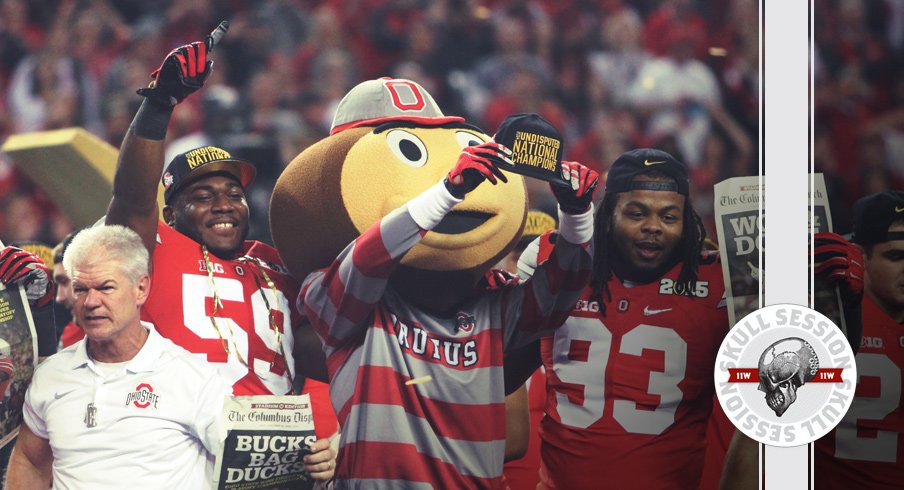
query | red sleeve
(325,422)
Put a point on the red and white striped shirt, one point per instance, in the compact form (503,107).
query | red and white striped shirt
(449,432)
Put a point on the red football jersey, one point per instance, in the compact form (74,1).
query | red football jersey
(629,394)
(72,333)
(523,473)
(866,449)
(181,307)
(719,433)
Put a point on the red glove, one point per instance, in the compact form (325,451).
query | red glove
(25,268)
(474,165)
(499,278)
(839,261)
(183,71)
(576,197)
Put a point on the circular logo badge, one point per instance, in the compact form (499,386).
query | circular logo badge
(785,375)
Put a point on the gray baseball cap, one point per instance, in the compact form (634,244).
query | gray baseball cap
(374,102)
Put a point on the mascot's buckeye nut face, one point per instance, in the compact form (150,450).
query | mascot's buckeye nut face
(383,152)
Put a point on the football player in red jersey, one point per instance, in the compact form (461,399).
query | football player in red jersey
(629,375)
(215,293)
(866,449)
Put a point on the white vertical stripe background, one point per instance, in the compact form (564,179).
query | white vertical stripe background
(785,126)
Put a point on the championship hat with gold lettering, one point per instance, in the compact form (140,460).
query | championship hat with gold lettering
(536,146)
(193,164)
(632,163)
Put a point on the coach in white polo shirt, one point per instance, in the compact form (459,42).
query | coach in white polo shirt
(124,408)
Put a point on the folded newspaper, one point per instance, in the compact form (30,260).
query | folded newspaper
(267,438)
(18,356)
(739,226)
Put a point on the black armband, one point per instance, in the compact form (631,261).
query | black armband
(152,120)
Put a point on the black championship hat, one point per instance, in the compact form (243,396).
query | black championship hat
(639,161)
(194,164)
(873,215)
(536,147)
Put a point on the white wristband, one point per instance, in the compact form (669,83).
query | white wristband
(431,206)
(576,228)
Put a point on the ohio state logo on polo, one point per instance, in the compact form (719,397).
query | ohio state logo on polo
(143,396)
(785,375)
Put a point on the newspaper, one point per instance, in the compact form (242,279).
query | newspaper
(18,356)
(826,296)
(739,228)
(266,440)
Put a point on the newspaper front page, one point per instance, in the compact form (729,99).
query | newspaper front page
(739,228)
(267,438)
(18,356)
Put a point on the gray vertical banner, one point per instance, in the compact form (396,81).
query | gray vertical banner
(786,69)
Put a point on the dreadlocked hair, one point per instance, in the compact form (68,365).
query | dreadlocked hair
(689,249)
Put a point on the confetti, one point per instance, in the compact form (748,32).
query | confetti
(419,380)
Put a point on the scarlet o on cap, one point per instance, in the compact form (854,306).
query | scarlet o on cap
(193,164)
(374,102)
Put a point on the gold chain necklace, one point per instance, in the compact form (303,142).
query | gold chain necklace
(217,304)
(260,267)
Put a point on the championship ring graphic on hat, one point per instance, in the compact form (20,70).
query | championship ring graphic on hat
(536,147)
(785,375)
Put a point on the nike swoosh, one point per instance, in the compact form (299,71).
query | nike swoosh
(58,395)
(648,163)
(647,311)
(899,210)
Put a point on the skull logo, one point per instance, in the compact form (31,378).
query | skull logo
(784,367)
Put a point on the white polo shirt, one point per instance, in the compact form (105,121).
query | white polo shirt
(156,424)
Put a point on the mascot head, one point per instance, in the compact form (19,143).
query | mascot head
(390,142)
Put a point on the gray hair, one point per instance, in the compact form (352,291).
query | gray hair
(114,244)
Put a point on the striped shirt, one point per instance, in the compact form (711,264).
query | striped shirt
(448,432)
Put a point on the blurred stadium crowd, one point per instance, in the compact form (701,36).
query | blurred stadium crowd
(681,75)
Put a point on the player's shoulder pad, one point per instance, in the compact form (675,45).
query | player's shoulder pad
(266,255)
(547,243)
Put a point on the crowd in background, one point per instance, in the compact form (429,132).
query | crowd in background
(680,75)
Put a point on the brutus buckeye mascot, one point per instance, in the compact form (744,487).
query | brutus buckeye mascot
(392,221)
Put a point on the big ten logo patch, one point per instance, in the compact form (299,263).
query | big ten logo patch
(535,150)
(215,267)
(785,375)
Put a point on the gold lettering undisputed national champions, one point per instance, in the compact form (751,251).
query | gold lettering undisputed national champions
(535,150)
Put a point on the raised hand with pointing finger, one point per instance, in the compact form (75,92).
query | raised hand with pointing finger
(184,70)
